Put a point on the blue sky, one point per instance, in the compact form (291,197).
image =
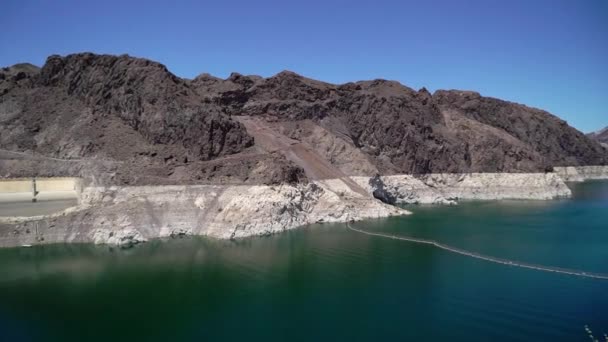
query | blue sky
(547,54)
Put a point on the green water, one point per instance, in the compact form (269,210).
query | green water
(326,282)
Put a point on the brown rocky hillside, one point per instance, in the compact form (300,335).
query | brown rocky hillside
(125,120)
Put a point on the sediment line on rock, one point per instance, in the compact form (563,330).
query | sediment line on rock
(448,188)
(129,215)
(581,173)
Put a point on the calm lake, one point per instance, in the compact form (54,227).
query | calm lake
(326,282)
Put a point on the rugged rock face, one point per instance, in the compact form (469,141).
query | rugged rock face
(380,191)
(130,111)
(148,98)
(528,136)
(601,136)
(582,173)
(449,188)
(126,216)
(400,130)
(124,120)
(253,156)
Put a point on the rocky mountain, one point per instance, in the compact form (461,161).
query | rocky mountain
(133,113)
(126,120)
(601,136)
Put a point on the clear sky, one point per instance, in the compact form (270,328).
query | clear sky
(550,54)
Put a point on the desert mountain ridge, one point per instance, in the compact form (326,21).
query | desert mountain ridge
(601,136)
(127,120)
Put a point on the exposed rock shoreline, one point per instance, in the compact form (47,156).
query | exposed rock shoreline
(129,215)
(582,173)
(449,188)
(161,156)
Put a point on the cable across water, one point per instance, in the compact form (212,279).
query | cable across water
(486,257)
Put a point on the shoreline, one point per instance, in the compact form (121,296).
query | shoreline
(125,216)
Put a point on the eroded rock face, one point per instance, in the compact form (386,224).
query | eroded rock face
(403,131)
(17,76)
(149,99)
(531,133)
(118,108)
(126,216)
(380,191)
(582,173)
(601,136)
(129,121)
(124,238)
(449,188)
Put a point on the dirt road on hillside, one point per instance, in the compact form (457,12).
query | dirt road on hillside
(303,155)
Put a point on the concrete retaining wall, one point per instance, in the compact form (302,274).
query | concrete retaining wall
(15,185)
(9,185)
(15,190)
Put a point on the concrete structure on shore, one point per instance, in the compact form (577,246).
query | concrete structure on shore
(26,197)
(41,189)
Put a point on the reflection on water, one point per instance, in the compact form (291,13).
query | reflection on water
(326,282)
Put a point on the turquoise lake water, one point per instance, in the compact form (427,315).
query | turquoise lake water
(326,282)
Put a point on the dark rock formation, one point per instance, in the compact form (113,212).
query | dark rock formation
(119,108)
(408,131)
(380,192)
(148,98)
(150,127)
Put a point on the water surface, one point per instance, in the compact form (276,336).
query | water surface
(326,282)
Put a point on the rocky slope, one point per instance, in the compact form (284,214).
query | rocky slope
(123,120)
(601,136)
(133,113)
(402,131)
(582,173)
(90,92)
(163,156)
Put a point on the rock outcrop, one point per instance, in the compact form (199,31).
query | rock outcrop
(129,121)
(582,173)
(133,112)
(450,188)
(403,131)
(150,100)
(126,216)
(601,136)
(162,156)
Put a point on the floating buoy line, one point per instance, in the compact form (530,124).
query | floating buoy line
(507,262)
